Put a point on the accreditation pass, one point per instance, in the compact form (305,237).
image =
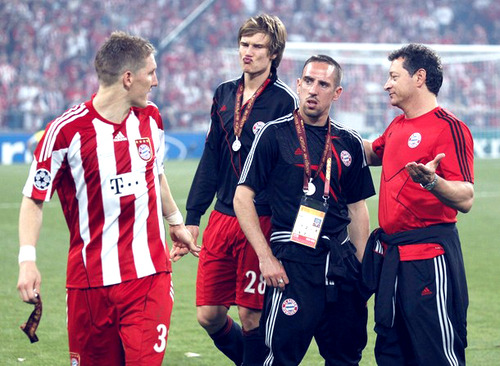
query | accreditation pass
(309,222)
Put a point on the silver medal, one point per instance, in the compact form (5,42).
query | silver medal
(236,144)
(311,188)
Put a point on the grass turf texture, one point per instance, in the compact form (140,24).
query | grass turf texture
(479,232)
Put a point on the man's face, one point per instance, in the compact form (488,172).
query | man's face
(400,85)
(316,89)
(254,54)
(142,82)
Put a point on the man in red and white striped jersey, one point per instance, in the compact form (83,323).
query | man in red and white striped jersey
(104,158)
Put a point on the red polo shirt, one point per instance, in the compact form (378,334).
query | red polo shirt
(404,204)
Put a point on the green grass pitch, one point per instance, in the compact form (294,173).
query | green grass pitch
(479,231)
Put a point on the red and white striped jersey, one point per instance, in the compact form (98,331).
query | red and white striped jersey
(107,178)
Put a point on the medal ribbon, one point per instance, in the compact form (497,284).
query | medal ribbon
(239,120)
(326,157)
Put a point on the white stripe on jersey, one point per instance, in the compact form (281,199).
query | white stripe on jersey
(111,204)
(51,134)
(142,256)
(81,192)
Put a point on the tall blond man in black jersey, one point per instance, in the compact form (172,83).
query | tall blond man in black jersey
(228,270)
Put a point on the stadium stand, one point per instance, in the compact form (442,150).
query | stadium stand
(47,47)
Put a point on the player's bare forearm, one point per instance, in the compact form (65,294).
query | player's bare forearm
(271,269)
(456,194)
(30,224)
(30,221)
(371,158)
(249,220)
(359,227)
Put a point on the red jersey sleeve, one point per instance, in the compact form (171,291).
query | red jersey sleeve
(458,164)
(378,146)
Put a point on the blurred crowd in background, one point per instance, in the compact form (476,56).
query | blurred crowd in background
(47,48)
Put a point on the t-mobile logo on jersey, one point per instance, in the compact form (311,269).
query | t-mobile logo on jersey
(127,184)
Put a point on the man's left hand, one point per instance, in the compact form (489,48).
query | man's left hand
(182,242)
(424,174)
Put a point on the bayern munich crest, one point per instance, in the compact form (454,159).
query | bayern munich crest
(144,149)
(289,307)
(74,359)
(414,140)
(346,158)
(42,179)
(257,127)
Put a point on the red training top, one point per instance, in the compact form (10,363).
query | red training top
(403,204)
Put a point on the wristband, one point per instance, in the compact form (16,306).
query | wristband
(27,253)
(430,186)
(175,218)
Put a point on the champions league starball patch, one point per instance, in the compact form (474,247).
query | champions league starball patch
(346,158)
(414,140)
(289,307)
(257,127)
(144,149)
(42,179)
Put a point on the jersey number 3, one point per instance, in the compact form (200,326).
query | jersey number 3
(162,338)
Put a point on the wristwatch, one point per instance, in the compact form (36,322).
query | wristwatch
(430,186)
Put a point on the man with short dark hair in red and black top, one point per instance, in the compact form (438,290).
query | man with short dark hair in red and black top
(427,176)
(228,270)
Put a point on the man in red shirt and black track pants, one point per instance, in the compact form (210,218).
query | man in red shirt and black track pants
(414,261)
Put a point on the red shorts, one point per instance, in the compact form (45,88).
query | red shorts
(123,323)
(228,268)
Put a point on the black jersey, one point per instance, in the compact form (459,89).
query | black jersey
(275,164)
(220,167)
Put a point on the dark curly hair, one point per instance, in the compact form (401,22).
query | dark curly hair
(417,56)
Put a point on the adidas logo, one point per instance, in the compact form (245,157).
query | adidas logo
(426,292)
(120,137)
(223,108)
(298,151)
